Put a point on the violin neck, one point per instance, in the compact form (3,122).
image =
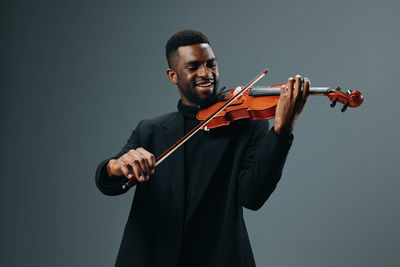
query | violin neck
(266,91)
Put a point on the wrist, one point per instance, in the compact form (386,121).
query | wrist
(110,168)
(282,131)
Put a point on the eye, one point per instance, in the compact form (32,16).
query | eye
(191,68)
(211,65)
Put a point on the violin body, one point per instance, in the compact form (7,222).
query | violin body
(262,108)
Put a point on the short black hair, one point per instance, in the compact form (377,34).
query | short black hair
(183,38)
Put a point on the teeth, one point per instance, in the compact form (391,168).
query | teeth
(204,85)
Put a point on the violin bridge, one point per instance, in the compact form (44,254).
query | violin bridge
(237,90)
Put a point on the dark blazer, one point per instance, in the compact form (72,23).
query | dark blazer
(240,167)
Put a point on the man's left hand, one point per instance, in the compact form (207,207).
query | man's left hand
(291,102)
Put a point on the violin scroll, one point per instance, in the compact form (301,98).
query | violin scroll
(349,99)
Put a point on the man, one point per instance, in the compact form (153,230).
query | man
(189,210)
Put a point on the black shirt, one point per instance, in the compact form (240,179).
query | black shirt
(193,148)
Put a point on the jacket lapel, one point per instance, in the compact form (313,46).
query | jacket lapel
(174,164)
(213,150)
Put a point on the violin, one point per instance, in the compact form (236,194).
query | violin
(256,103)
(259,103)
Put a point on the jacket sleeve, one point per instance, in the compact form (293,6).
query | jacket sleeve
(261,166)
(113,186)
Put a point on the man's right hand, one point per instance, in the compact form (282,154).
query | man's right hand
(136,163)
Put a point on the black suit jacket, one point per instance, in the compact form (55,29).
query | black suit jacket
(240,167)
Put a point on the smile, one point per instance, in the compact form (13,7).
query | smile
(204,84)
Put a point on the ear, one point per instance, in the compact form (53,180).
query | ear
(172,76)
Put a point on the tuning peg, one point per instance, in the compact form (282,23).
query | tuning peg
(338,88)
(334,103)
(345,107)
(349,92)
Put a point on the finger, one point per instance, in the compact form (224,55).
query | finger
(297,86)
(139,158)
(135,166)
(151,161)
(137,170)
(283,90)
(290,85)
(125,170)
(306,89)
(142,164)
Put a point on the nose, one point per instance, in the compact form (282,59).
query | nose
(204,72)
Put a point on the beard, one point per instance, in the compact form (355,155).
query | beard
(189,91)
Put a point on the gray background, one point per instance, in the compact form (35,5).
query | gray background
(77,76)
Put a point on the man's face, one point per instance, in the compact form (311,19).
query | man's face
(196,74)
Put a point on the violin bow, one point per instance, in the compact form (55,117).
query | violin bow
(201,125)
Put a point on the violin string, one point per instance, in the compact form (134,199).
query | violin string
(276,90)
